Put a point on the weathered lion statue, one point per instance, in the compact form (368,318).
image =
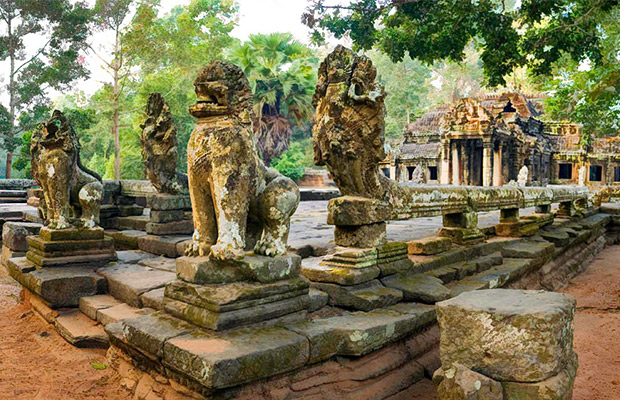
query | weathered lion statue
(228,183)
(72,193)
(349,124)
(159,147)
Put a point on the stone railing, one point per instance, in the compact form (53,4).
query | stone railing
(360,222)
(17,184)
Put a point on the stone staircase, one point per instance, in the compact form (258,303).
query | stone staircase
(12,196)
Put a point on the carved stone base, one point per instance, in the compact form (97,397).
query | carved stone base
(220,295)
(70,247)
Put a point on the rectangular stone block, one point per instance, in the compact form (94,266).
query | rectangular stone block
(184,227)
(161,201)
(14,234)
(91,304)
(149,332)
(71,234)
(429,246)
(234,358)
(234,296)
(163,216)
(127,282)
(205,270)
(161,245)
(219,321)
(508,335)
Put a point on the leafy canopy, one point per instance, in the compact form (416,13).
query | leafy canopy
(510,34)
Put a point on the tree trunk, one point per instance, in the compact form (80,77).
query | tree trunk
(115,127)
(9,155)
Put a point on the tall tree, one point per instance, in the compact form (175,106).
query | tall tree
(42,40)
(282,74)
(535,33)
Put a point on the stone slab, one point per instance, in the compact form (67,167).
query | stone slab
(365,297)
(51,235)
(528,249)
(219,321)
(418,287)
(205,270)
(161,201)
(559,386)
(126,238)
(161,245)
(149,332)
(234,296)
(531,330)
(89,305)
(59,287)
(120,312)
(429,246)
(163,216)
(318,299)
(460,382)
(79,330)
(153,299)
(183,227)
(160,263)
(341,276)
(133,256)
(127,282)
(237,357)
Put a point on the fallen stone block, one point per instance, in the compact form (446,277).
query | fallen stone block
(14,234)
(531,333)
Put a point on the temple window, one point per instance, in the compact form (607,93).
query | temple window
(596,173)
(565,171)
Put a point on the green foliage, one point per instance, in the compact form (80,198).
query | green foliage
(535,33)
(282,73)
(295,160)
(590,95)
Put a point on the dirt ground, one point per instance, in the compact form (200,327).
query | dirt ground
(35,363)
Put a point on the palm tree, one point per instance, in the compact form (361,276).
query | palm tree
(282,75)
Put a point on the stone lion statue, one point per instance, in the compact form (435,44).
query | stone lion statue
(159,147)
(348,132)
(228,183)
(72,193)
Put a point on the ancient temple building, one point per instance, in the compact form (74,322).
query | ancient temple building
(487,140)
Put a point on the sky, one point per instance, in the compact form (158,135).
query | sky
(255,16)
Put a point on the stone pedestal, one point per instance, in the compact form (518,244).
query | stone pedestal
(220,295)
(462,228)
(169,214)
(511,225)
(70,248)
(60,265)
(519,339)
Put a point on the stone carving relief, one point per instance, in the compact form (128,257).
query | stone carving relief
(72,193)
(228,183)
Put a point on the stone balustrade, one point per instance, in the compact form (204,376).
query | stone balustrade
(355,217)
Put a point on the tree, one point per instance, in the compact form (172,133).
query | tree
(590,94)
(58,29)
(536,33)
(282,74)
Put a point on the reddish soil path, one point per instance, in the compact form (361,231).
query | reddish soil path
(37,364)
(597,328)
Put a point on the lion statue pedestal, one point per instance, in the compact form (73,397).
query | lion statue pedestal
(70,241)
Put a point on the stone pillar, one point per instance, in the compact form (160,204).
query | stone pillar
(487,168)
(445,165)
(497,166)
(462,228)
(512,225)
(543,209)
(506,344)
(456,164)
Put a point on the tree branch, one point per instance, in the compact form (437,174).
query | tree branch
(33,57)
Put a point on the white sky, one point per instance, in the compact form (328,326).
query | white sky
(255,16)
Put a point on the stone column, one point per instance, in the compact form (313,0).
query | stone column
(506,344)
(462,228)
(497,166)
(456,164)
(487,168)
(445,165)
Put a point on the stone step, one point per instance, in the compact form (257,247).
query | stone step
(119,313)
(90,305)
(13,200)
(170,246)
(125,239)
(81,331)
(418,287)
(127,282)
(12,193)
(364,297)
(509,271)
(528,249)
